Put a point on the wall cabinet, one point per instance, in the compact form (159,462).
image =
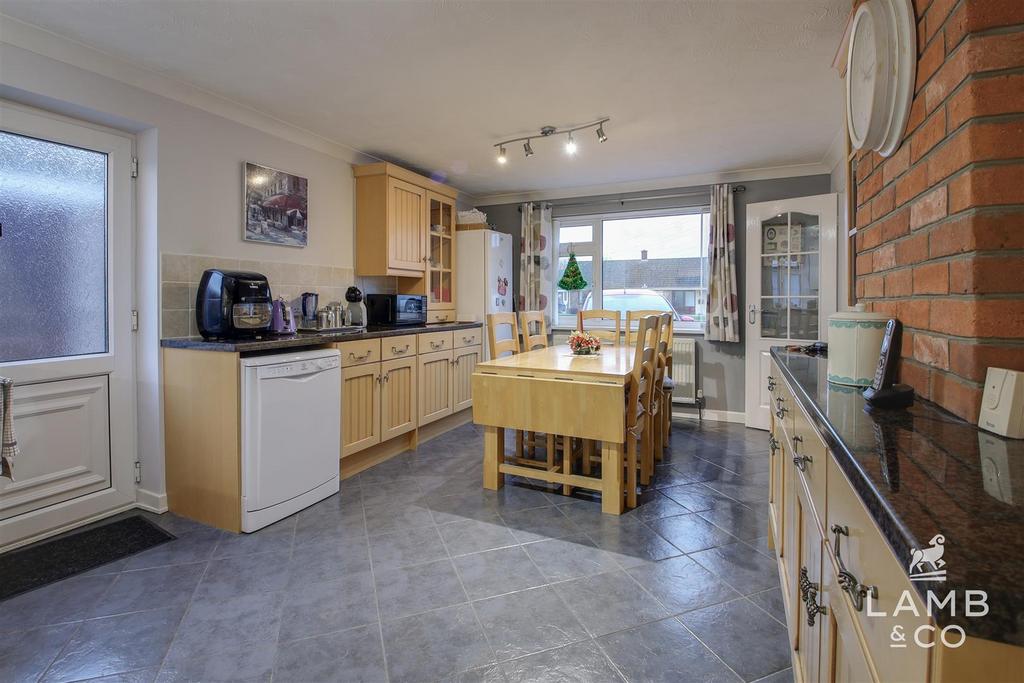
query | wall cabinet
(405,227)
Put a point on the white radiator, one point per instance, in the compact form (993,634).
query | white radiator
(684,370)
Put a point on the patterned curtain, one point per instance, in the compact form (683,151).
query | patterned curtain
(723,315)
(536,275)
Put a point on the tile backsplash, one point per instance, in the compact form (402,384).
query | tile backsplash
(180,275)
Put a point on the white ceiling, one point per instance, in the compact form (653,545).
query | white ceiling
(692,87)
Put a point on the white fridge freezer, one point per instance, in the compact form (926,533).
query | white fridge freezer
(484,284)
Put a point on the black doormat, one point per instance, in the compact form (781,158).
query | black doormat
(41,563)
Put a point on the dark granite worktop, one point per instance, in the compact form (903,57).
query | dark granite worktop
(921,471)
(270,342)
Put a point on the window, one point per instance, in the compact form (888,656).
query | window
(654,260)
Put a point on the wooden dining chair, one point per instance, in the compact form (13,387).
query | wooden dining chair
(667,385)
(533,341)
(605,334)
(638,401)
(496,321)
(656,419)
(635,317)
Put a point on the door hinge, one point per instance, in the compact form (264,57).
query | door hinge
(135,167)
(138,472)
(135,320)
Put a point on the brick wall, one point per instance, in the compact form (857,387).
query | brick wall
(940,223)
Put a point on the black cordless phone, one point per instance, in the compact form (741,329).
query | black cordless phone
(883,393)
(885,373)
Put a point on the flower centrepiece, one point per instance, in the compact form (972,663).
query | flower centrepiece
(583,343)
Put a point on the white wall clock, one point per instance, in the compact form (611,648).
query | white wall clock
(880,72)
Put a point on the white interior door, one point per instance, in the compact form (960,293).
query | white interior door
(791,285)
(65,324)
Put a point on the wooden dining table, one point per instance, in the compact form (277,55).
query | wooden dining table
(552,391)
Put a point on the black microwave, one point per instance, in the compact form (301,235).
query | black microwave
(396,309)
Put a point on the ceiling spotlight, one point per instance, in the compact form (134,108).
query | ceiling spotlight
(601,137)
(502,158)
(527,149)
(570,145)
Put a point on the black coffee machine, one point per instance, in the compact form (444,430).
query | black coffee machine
(233,304)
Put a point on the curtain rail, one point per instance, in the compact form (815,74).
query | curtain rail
(622,200)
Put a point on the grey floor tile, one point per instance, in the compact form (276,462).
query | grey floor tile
(609,602)
(468,504)
(771,602)
(246,663)
(404,488)
(188,548)
(432,645)
(319,608)
(25,655)
(653,504)
(233,576)
(529,621)
(760,544)
(690,532)
(110,645)
(577,663)
(212,628)
(634,544)
(147,675)
(145,589)
(484,674)
(511,498)
(695,497)
(739,565)
(329,523)
(497,571)
(406,547)
(680,584)
(68,600)
(784,676)
(402,591)
(738,520)
(743,636)
(538,524)
(471,536)
(328,560)
(664,652)
(277,537)
(352,656)
(386,516)
(570,558)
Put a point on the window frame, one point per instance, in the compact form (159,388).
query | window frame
(595,249)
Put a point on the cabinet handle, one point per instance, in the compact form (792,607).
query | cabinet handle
(456,362)
(396,350)
(780,412)
(809,593)
(357,358)
(378,379)
(387,376)
(847,581)
(436,345)
(468,340)
(773,443)
(800,460)
(771,383)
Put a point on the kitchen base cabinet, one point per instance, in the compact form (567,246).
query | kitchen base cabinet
(464,363)
(397,397)
(360,407)
(435,372)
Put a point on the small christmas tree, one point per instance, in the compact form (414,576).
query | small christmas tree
(572,278)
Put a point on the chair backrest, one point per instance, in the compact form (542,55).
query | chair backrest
(533,341)
(634,317)
(607,334)
(641,383)
(664,349)
(500,346)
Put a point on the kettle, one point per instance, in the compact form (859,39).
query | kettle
(310,305)
(282,319)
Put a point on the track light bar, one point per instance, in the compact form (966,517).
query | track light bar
(546,132)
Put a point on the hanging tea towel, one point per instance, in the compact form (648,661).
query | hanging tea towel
(8,444)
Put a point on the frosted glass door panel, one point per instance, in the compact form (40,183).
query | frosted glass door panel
(53,250)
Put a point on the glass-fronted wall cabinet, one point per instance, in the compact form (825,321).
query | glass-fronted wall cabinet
(441,253)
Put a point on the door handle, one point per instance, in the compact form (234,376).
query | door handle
(752,314)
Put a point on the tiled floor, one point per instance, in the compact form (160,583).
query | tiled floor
(415,573)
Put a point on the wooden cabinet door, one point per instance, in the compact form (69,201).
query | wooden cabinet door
(360,408)
(440,252)
(435,386)
(809,589)
(843,658)
(397,397)
(462,377)
(407,215)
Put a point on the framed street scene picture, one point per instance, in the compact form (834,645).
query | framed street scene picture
(275,206)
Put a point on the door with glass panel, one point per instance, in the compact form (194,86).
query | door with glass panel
(66,245)
(791,285)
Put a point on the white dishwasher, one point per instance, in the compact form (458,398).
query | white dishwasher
(291,433)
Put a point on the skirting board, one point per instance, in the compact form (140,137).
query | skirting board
(154,502)
(713,415)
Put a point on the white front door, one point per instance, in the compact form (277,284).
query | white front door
(66,246)
(791,285)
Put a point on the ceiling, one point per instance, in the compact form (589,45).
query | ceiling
(692,87)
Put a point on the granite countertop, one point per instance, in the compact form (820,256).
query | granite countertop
(921,471)
(271,341)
